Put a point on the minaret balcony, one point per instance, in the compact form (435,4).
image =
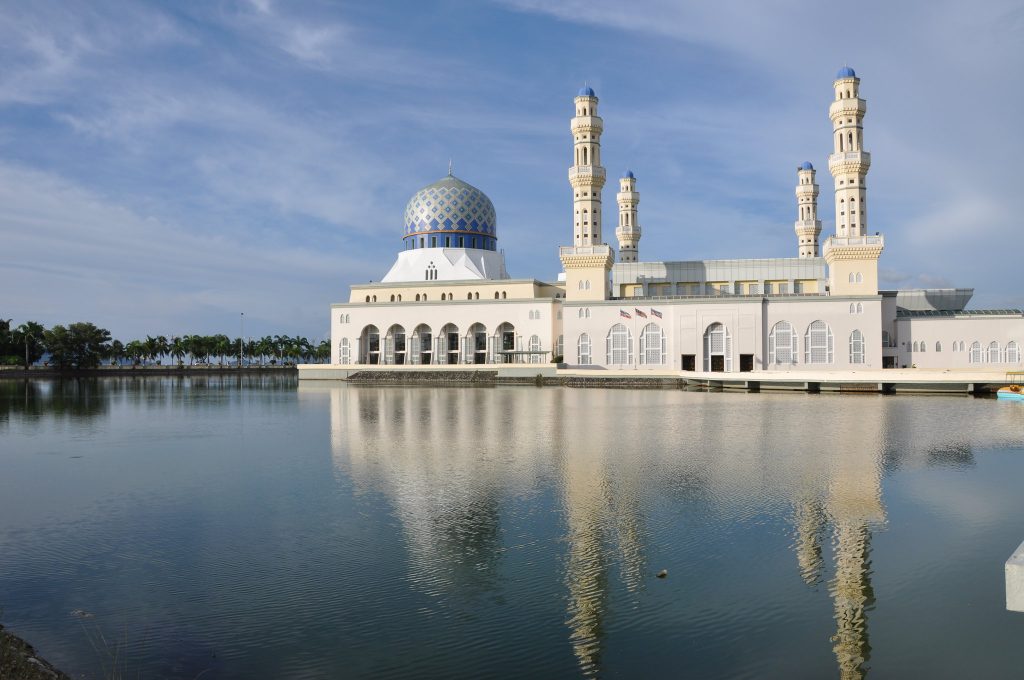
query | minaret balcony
(861,158)
(808,224)
(586,171)
(847,107)
(876,241)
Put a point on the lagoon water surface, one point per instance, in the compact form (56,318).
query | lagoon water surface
(258,528)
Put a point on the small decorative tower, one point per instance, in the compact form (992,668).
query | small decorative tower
(849,163)
(586,176)
(588,260)
(852,254)
(628,231)
(807,226)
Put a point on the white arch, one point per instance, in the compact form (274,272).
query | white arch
(856,347)
(977,356)
(993,352)
(652,345)
(1012,353)
(717,342)
(782,344)
(619,346)
(818,343)
(583,350)
(344,352)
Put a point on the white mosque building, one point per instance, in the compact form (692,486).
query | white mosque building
(448,298)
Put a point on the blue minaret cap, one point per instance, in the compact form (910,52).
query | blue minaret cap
(806,165)
(628,174)
(586,92)
(846,72)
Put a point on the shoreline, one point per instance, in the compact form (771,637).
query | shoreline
(19,660)
(140,371)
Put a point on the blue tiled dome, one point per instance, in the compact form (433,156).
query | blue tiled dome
(586,92)
(846,72)
(628,175)
(450,207)
(806,165)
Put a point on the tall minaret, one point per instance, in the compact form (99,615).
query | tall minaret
(586,174)
(852,254)
(849,162)
(588,261)
(807,226)
(628,231)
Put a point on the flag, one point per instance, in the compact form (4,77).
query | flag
(639,313)
(624,314)
(655,312)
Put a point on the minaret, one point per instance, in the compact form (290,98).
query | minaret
(849,162)
(852,254)
(586,174)
(628,231)
(807,226)
(588,261)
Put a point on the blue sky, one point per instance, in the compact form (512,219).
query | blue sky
(166,166)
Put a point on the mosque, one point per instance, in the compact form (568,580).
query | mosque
(448,298)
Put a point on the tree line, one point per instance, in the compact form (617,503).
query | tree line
(84,345)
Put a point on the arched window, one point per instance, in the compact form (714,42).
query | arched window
(469,296)
(476,296)
(924,346)
(559,347)
(851,277)
(976,353)
(392,298)
(417,297)
(583,350)
(619,346)
(586,285)
(496,295)
(853,308)
(860,307)
(993,352)
(652,345)
(818,343)
(580,285)
(961,345)
(938,346)
(717,348)
(503,296)
(344,352)
(782,347)
(374,298)
(856,347)
(860,278)
(1012,353)
(535,356)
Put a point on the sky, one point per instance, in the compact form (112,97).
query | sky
(173,168)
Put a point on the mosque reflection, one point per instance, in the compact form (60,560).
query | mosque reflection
(445,459)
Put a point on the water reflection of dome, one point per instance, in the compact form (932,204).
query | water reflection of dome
(451,207)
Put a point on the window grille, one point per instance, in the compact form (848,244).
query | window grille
(344,352)
(652,345)
(818,343)
(993,352)
(535,357)
(717,342)
(583,350)
(619,346)
(976,353)
(1012,353)
(782,347)
(856,347)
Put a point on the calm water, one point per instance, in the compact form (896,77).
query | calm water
(257,528)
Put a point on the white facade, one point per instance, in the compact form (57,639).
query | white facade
(449,300)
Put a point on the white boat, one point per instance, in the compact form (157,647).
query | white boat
(1015,389)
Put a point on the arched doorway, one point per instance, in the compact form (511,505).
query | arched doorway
(505,343)
(717,349)
(394,346)
(369,346)
(421,348)
(475,345)
(448,345)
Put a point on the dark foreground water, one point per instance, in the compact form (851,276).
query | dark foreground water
(256,528)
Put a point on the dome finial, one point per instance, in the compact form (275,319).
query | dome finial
(450,168)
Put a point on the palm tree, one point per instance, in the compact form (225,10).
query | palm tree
(177,348)
(31,334)
(116,352)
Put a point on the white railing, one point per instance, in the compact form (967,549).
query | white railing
(862,156)
(586,171)
(876,240)
(584,250)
